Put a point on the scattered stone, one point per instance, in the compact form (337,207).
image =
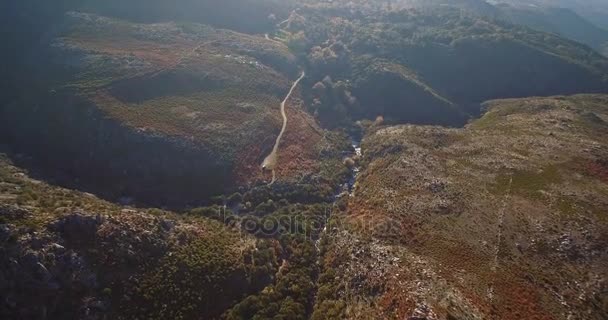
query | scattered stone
(13,212)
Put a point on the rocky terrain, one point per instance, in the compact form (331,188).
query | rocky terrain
(504,219)
(67,254)
(437,162)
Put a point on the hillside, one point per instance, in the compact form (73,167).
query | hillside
(596,11)
(569,19)
(205,100)
(502,219)
(564,22)
(67,254)
(296,160)
(449,52)
(202,99)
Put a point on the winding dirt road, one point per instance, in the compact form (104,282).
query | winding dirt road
(270,163)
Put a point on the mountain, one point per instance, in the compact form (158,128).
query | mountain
(452,52)
(563,18)
(503,218)
(596,11)
(203,100)
(310,159)
(67,254)
(563,21)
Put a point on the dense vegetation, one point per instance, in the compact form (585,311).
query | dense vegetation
(446,55)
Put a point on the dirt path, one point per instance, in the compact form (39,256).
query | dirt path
(270,163)
(501,221)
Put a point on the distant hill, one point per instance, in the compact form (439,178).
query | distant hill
(596,11)
(562,21)
(569,19)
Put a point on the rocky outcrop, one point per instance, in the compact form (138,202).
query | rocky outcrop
(40,278)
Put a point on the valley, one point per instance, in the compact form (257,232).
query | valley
(429,160)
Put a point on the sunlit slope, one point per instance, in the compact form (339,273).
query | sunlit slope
(505,218)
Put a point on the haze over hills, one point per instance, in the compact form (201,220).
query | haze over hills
(435,160)
(564,18)
(595,11)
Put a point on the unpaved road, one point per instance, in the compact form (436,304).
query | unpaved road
(270,163)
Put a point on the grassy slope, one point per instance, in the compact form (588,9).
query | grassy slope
(190,81)
(505,217)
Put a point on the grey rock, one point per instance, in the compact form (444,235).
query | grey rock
(167,225)
(57,248)
(5,232)
(30,259)
(42,273)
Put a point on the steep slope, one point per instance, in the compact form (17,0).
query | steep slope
(65,254)
(504,219)
(168,113)
(68,254)
(398,95)
(551,17)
